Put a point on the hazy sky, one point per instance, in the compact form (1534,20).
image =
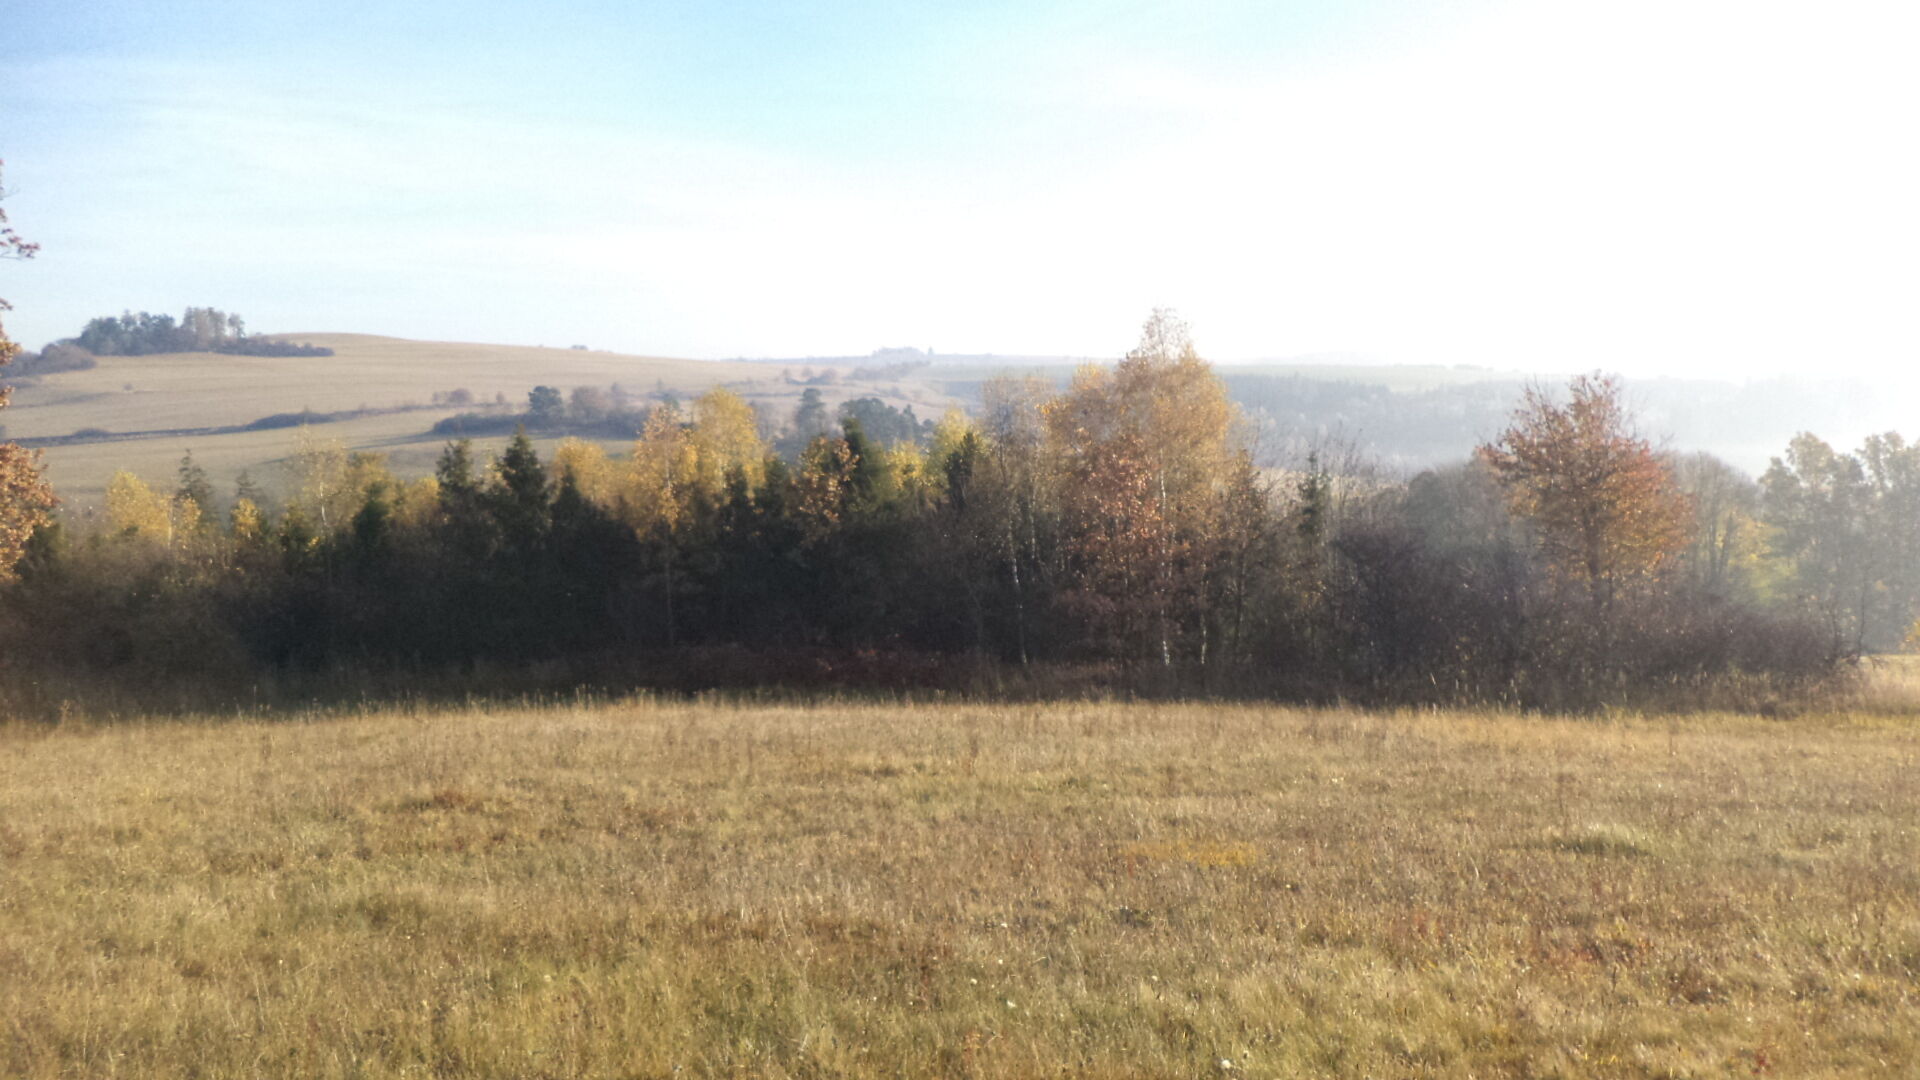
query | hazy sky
(1692,186)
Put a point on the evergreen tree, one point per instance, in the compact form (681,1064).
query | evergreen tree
(245,488)
(519,496)
(194,486)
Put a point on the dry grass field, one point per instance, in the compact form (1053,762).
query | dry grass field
(211,389)
(129,394)
(655,889)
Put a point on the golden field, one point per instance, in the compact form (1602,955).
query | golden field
(131,394)
(645,888)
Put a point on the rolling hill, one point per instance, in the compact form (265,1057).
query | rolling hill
(143,413)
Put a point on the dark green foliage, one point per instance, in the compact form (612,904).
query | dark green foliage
(810,416)
(957,470)
(518,498)
(454,472)
(194,485)
(885,424)
(198,330)
(371,524)
(546,409)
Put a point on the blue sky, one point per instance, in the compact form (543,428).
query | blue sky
(1687,186)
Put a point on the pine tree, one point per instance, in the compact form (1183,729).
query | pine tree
(519,497)
(194,485)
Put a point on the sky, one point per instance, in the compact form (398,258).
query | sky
(1726,188)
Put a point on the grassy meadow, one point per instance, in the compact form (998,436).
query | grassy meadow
(646,888)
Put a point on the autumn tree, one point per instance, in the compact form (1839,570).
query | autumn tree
(324,490)
(1011,509)
(725,439)
(134,509)
(1893,474)
(586,466)
(1144,449)
(1845,525)
(25,499)
(1726,557)
(659,500)
(1605,508)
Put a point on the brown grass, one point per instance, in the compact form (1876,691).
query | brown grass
(643,889)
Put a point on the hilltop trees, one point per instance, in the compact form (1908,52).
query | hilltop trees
(199,329)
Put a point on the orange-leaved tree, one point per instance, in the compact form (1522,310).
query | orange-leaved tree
(25,498)
(1144,449)
(1605,507)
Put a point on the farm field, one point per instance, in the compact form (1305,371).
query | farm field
(645,888)
(79,472)
(131,394)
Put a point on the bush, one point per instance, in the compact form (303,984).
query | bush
(476,425)
(253,347)
(289,419)
(57,357)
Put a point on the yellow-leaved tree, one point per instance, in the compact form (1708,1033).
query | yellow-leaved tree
(660,473)
(592,472)
(726,439)
(25,499)
(134,509)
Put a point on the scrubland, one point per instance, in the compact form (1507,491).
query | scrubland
(645,888)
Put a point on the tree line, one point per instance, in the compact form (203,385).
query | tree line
(617,413)
(199,329)
(1119,526)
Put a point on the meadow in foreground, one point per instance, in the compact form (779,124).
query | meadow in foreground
(642,889)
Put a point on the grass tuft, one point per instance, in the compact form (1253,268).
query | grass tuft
(1618,841)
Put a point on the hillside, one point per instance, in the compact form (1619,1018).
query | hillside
(144,412)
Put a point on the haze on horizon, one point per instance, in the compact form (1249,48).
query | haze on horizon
(1702,187)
